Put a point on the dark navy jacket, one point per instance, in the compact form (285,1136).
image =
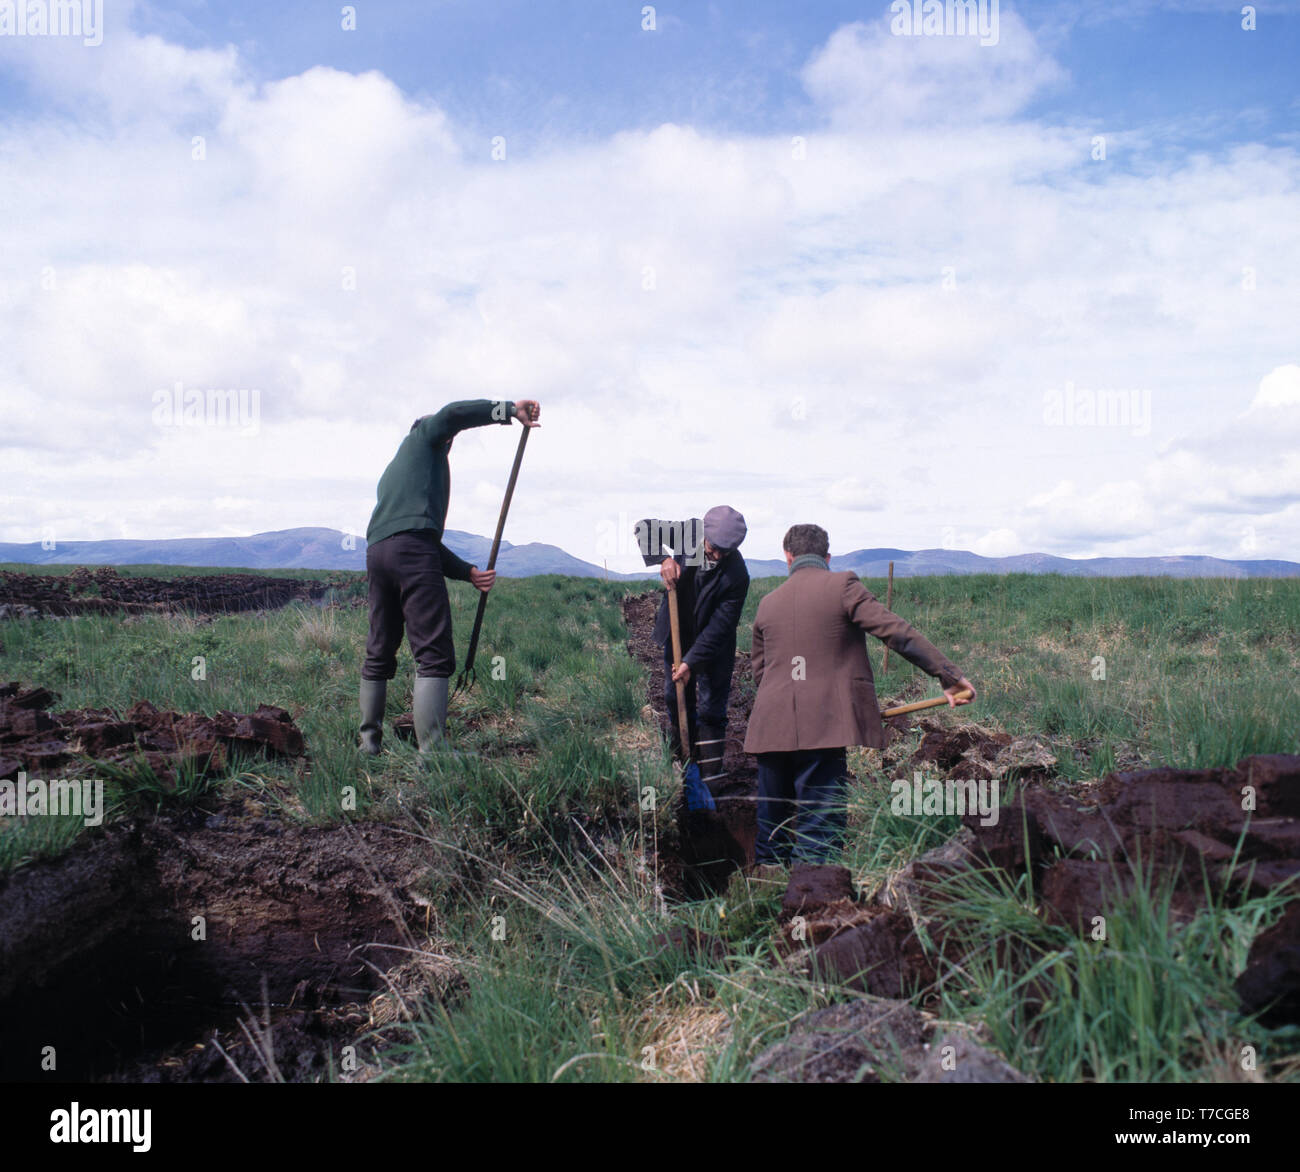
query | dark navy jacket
(709,601)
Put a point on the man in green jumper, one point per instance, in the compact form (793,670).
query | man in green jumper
(407,566)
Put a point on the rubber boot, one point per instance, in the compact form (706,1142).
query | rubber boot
(373,695)
(429,711)
(710,748)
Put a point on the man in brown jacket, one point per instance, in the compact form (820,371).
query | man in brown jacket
(816,696)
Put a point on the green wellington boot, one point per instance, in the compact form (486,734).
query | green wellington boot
(373,695)
(429,711)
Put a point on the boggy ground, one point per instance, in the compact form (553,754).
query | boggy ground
(126,992)
(1175,837)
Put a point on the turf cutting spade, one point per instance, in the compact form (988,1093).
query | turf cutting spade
(465,680)
(697,793)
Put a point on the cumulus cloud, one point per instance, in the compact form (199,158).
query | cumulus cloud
(1212,489)
(1279,388)
(869,75)
(706,316)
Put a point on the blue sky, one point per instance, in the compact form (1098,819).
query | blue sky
(563,68)
(541,71)
(765,254)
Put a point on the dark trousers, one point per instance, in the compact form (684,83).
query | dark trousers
(408,592)
(801,806)
(707,693)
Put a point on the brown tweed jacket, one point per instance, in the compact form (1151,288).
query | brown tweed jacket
(815,689)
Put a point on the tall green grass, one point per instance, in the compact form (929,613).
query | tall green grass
(1152,1000)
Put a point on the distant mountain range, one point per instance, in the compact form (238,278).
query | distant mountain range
(329,549)
(294,549)
(874,563)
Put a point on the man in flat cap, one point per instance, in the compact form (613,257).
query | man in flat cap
(711,580)
(816,696)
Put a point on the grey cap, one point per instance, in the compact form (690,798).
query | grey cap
(724,527)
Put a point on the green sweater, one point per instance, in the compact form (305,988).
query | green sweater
(416,486)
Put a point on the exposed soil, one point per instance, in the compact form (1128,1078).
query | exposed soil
(103,591)
(1186,824)
(130,952)
(37,742)
(1270,983)
(103,958)
(969,751)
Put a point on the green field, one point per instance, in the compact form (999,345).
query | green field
(542,838)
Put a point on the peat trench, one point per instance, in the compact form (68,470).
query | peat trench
(1237,829)
(129,950)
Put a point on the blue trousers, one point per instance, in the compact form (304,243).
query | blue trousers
(801,806)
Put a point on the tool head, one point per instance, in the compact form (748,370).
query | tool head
(698,796)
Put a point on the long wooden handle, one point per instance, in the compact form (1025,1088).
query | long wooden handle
(510,492)
(923,704)
(496,546)
(674,623)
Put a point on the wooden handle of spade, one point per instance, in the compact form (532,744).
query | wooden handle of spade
(674,623)
(902,708)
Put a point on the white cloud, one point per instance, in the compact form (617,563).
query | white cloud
(998,543)
(852,494)
(866,75)
(706,317)
(1278,388)
(1211,492)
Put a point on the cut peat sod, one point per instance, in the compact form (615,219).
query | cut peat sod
(123,957)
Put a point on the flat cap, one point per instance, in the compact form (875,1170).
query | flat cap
(724,527)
